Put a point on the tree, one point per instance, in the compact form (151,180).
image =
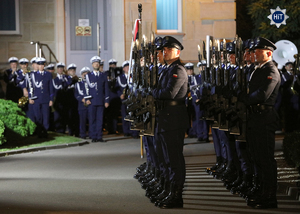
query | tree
(259,10)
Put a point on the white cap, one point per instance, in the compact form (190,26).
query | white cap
(50,66)
(71,66)
(13,59)
(203,62)
(95,59)
(85,69)
(33,60)
(23,61)
(60,64)
(189,65)
(125,63)
(112,61)
(199,64)
(40,60)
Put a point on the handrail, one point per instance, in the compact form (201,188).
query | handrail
(40,53)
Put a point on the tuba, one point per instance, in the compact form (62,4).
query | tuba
(286,52)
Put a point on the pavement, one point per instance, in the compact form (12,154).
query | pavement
(92,178)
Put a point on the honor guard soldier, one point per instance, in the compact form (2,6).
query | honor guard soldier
(99,92)
(13,93)
(43,90)
(113,111)
(172,122)
(71,101)
(81,94)
(262,123)
(60,106)
(152,178)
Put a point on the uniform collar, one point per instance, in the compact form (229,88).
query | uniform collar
(264,64)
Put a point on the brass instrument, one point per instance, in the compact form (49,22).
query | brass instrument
(22,102)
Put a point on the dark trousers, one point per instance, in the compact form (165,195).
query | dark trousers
(95,121)
(243,156)
(41,114)
(261,138)
(83,116)
(172,149)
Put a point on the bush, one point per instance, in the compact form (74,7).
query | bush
(291,148)
(2,138)
(15,121)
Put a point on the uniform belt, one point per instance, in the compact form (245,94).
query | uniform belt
(260,108)
(164,103)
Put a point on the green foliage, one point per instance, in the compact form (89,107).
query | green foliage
(15,121)
(291,148)
(2,128)
(259,10)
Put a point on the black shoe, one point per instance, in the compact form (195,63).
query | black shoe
(101,140)
(206,140)
(263,203)
(200,139)
(174,199)
(126,135)
(94,140)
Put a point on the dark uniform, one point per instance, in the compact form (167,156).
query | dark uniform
(99,92)
(262,123)
(71,104)
(60,107)
(172,123)
(13,92)
(43,90)
(81,88)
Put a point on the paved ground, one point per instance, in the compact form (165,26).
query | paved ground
(97,178)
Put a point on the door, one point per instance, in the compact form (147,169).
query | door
(80,49)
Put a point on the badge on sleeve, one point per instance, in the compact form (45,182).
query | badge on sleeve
(269,77)
(175,75)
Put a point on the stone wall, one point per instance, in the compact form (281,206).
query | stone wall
(37,23)
(199,18)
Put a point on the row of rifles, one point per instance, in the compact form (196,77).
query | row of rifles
(218,93)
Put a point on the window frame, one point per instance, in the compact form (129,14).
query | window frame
(17,16)
(179,21)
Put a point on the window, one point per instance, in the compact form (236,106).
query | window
(9,17)
(169,16)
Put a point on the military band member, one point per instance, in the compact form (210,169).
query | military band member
(203,128)
(13,93)
(262,123)
(99,92)
(34,65)
(81,94)
(43,90)
(170,93)
(20,80)
(192,131)
(71,102)
(121,86)
(60,106)
(113,111)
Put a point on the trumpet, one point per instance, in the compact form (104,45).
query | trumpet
(22,101)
